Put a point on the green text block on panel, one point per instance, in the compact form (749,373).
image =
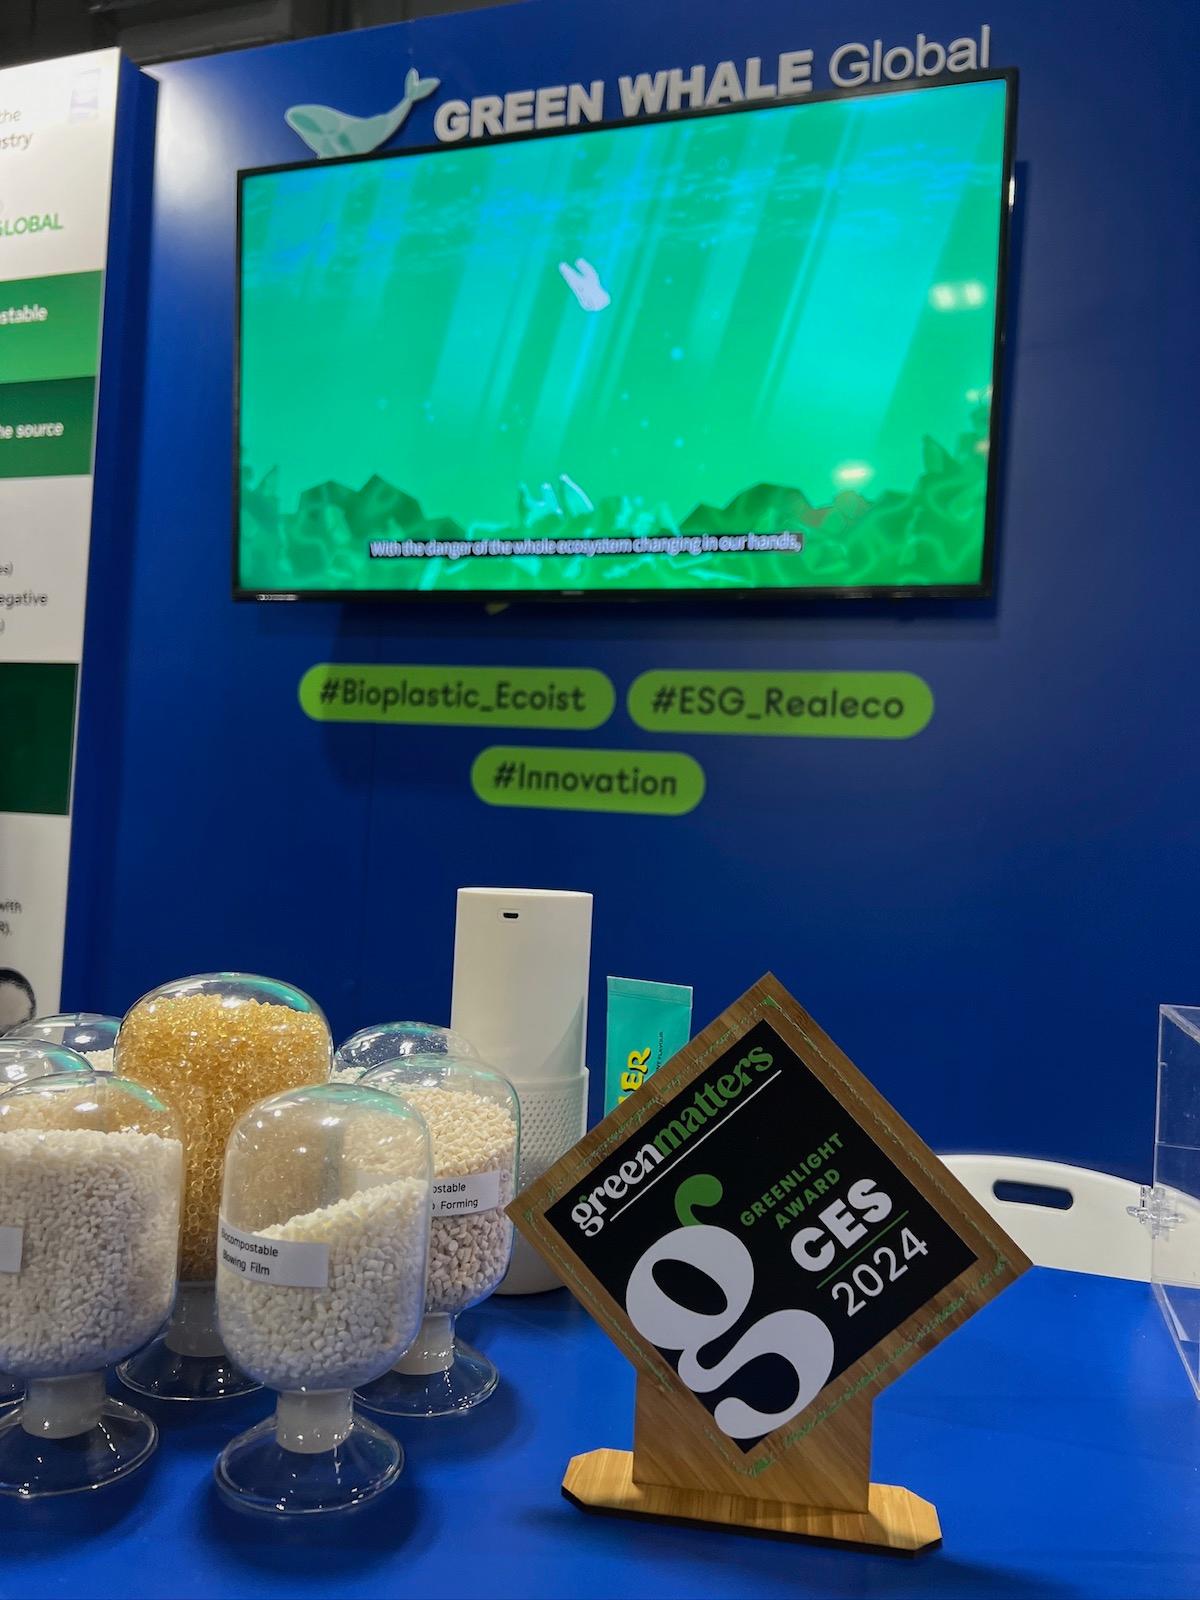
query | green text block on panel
(46,428)
(50,327)
(37,716)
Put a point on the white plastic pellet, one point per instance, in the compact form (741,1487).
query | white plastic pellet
(351,1331)
(100,1245)
(469,1134)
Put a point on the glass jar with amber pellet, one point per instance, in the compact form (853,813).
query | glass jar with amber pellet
(211,1047)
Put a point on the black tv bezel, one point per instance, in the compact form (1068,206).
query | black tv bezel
(981,590)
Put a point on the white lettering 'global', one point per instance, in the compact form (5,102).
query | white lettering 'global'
(674,89)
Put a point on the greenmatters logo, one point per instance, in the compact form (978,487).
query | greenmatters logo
(710,1101)
(821,705)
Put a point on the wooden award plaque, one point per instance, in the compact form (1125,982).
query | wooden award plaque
(771,1245)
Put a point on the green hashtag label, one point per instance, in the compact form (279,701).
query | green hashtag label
(812,705)
(463,697)
(651,782)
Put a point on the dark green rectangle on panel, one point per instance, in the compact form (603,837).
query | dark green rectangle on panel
(37,728)
(46,428)
(50,327)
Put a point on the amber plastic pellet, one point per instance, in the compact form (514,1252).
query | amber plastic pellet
(210,1057)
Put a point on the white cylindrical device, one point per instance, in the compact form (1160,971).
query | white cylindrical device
(520,996)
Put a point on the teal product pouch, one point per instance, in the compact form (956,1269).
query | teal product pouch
(647,1024)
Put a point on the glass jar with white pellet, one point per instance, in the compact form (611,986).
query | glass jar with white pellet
(323,1241)
(21,1061)
(91,1185)
(473,1118)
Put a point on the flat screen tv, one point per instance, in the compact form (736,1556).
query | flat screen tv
(745,352)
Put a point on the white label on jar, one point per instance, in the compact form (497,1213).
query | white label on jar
(11,1241)
(290,1264)
(464,1197)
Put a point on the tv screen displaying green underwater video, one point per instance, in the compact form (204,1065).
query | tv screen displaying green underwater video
(710,354)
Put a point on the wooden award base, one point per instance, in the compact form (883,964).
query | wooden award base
(895,1519)
(676,1485)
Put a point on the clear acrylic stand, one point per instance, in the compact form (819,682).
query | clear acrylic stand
(1170,1206)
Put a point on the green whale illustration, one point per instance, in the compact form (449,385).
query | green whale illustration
(327,132)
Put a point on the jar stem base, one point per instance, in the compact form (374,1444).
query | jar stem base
(263,1470)
(63,1408)
(432,1351)
(188,1361)
(308,1424)
(35,1463)
(438,1375)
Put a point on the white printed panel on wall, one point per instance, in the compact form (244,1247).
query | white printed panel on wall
(57,128)
(43,567)
(56,125)
(33,898)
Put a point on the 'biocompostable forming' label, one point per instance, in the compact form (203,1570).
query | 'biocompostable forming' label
(289,1264)
(465,1197)
(11,1242)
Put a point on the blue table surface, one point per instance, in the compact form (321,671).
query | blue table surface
(1056,1433)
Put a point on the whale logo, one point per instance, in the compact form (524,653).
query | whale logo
(327,132)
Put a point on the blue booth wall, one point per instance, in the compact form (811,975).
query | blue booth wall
(985,916)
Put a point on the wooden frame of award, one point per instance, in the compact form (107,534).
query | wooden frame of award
(770,1245)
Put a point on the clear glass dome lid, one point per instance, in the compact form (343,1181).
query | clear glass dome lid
(26,1060)
(397,1041)
(76,1098)
(211,1046)
(473,1117)
(324,1236)
(91,1178)
(225,992)
(88,1033)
